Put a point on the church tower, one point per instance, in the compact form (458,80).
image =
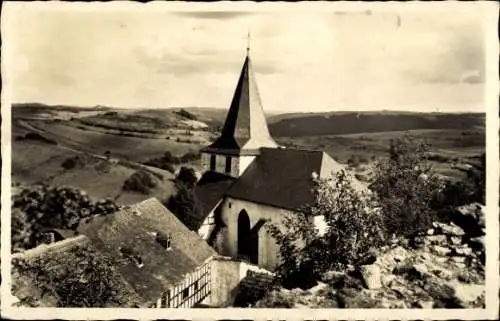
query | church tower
(245,129)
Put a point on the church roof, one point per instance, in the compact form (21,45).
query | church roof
(209,191)
(283,177)
(134,228)
(245,129)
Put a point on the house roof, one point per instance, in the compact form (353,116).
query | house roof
(27,286)
(245,129)
(133,228)
(284,177)
(209,191)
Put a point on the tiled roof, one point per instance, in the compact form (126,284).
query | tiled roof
(134,228)
(283,177)
(245,129)
(209,191)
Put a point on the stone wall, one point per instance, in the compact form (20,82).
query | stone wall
(226,277)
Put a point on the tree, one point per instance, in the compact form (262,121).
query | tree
(406,186)
(141,181)
(80,277)
(55,207)
(187,176)
(353,218)
(354,227)
(185,205)
(21,230)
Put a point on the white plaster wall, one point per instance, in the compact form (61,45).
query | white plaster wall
(205,161)
(244,162)
(268,249)
(226,275)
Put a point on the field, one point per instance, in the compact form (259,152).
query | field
(118,140)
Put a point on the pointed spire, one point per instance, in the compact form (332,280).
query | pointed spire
(245,129)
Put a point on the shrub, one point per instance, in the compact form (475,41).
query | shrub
(78,161)
(38,137)
(187,176)
(185,205)
(78,278)
(141,181)
(186,114)
(55,207)
(278,300)
(354,226)
(406,186)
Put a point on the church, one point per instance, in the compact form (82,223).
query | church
(250,181)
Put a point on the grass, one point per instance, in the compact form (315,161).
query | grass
(140,135)
(132,148)
(35,162)
(452,145)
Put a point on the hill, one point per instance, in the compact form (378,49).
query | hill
(341,123)
(353,138)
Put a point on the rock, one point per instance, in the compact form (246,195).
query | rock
(331,276)
(466,293)
(477,243)
(425,304)
(389,259)
(443,274)
(436,239)
(471,218)
(440,250)
(450,229)
(456,240)
(430,231)
(458,259)
(399,290)
(464,251)
(387,279)
(412,272)
(371,276)
(420,269)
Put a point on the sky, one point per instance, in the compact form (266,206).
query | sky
(308,60)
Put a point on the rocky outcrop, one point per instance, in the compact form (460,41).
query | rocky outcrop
(471,218)
(441,268)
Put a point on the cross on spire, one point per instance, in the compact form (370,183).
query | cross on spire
(248,42)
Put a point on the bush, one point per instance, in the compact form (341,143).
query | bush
(186,114)
(277,300)
(185,206)
(406,187)
(78,161)
(187,176)
(354,226)
(55,207)
(141,181)
(79,278)
(38,137)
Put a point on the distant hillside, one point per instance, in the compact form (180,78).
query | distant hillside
(314,124)
(280,125)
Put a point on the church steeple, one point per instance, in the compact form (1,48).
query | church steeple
(245,129)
